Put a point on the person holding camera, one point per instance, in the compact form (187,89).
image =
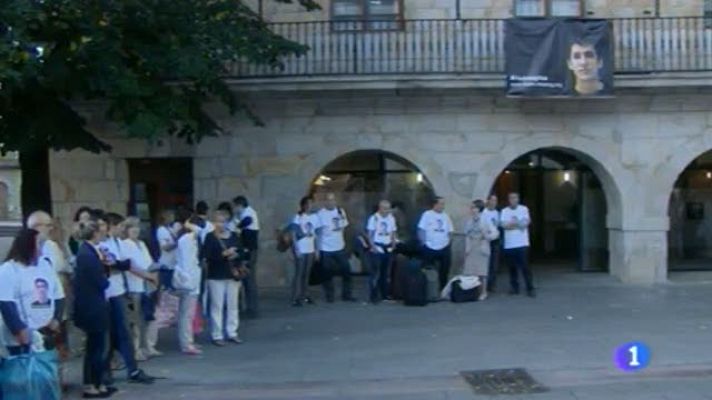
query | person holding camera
(225,271)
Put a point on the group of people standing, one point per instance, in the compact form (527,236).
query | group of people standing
(108,279)
(318,240)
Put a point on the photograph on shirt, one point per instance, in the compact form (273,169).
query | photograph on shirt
(41,297)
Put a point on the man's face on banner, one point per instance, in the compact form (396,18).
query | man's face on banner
(584,62)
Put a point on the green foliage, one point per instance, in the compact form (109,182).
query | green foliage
(153,63)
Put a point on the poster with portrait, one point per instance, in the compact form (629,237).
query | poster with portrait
(553,57)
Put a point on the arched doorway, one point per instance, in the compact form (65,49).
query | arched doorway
(567,205)
(361,178)
(690,212)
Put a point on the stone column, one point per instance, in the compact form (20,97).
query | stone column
(638,254)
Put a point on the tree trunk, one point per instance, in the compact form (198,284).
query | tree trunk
(35,192)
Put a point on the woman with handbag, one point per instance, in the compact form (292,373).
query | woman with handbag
(31,303)
(478,234)
(226,269)
(304,226)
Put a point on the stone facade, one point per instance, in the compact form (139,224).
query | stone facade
(637,144)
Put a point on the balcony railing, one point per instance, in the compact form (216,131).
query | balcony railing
(642,45)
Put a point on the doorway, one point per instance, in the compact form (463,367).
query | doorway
(567,206)
(157,184)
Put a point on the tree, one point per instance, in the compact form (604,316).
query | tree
(153,64)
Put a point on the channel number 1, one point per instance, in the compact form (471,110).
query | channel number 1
(634,362)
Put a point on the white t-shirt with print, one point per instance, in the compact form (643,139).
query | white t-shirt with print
(381,229)
(250,212)
(33,289)
(140,259)
(437,227)
(515,238)
(331,229)
(117,281)
(166,238)
(308,223)
(492,216)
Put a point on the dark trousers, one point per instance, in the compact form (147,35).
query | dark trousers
(336,263)
(518,261)
(251,295)
(380,272)
(120,338)
(495,248)
(94,358)
(442,258)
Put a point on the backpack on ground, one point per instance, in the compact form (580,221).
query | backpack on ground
(415,285)
(433,284)
(460,295)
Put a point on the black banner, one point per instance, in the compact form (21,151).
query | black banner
(559,57)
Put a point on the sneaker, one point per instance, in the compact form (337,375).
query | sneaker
(483,297)
(308,300)
(139,376)
(219,342)
(193,351)
(296,303)
(153,353)
(235,340)
(140,356)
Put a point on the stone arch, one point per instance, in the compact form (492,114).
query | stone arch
(316,162)
(688,242)
(597,158)
(668,172)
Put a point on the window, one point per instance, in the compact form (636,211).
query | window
(372,15)
(708,14)
(548,8)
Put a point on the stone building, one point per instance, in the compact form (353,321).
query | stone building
(406,99)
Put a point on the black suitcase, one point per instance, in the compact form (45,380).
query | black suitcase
(460,295)
(415,285)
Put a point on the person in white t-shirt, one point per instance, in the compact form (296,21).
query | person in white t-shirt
(31,295)
(515,221)
(202,210)
(491,214)
(303,226)
(332,248)
(247,223)
(186,280)
(435,232)
(142,322)
(382,239)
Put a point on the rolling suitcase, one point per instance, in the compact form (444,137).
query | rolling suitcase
(433,284)
(415,286)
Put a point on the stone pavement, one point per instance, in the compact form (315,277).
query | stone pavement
(565,339)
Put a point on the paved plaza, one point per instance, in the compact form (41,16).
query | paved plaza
(565,339)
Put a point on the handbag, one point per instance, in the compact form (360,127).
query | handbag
(31,376)
(239,272)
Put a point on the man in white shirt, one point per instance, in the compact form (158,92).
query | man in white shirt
(382,230)
(332,222)
(491,214)
(247,223)
(515,221)
(435,232)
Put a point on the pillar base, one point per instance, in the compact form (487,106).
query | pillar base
(638,257)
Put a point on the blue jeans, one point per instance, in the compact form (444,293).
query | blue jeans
(378,281)
(518,260)
(495,248)
(120,338)
(336,263)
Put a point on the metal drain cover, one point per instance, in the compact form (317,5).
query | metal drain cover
(502,381)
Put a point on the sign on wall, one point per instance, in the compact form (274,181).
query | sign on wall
(559,57)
